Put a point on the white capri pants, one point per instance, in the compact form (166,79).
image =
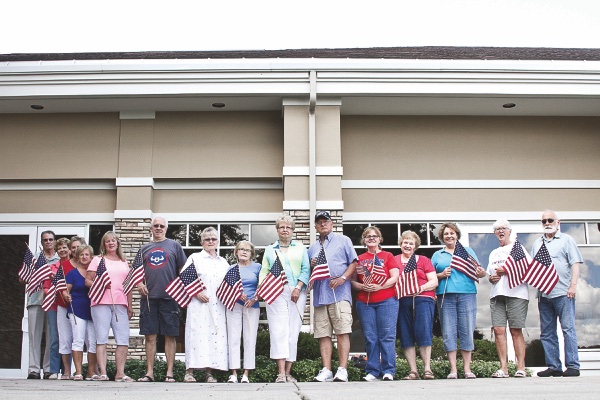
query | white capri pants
(83,332)
(104,319)
(65,333)
(284,324)
(242,319)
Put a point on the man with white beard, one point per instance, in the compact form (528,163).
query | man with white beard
(560,302)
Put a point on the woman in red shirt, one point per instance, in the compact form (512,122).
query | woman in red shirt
(377,306)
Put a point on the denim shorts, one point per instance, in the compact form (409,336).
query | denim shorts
(162,317)
(457,314)
(415,327)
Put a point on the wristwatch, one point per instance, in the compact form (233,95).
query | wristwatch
(343,277)
(298,287)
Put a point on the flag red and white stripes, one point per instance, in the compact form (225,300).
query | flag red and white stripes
(541,273)
(231,289)
(27,268)
(136,273)
(41,272)
(57,285)
(376,274)
(321,270)
(462,261)
(516,265)
(187,285)
(272,286)
(408,284)
(100,284)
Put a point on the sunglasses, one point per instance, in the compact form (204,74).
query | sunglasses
(549,220)
(159,226)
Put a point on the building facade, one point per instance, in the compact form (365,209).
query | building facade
(400,139)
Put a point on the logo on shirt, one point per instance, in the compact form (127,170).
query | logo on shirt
(157,258)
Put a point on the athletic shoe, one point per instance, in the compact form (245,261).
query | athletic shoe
(325,375)
(370,378)
(341,375)
(33,375)
(388,377)
(245,379)
(232,379)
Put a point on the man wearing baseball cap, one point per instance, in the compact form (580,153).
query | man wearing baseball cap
(332,297)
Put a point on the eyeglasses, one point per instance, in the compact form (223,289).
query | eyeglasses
(501,229)
(47,240)
(323,222)
(549,220)
(245,250)
(372,237)
(210,239)
(159,226)
(285,228)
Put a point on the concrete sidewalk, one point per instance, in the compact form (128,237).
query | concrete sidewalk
(582,388)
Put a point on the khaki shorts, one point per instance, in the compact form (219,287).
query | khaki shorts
(511,309)
(328,319)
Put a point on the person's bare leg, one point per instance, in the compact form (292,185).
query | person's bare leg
(520,348)
(343,345)
(452,361)
(326,349)
(170,346)
(411,357)
(151,354)
(501,347)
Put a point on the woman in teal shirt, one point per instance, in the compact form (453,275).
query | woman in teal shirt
(285,313)
(456,299)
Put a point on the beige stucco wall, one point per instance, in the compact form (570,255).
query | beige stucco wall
(57,201)
(439,147)
(59,146)
(217,201)
(218,144)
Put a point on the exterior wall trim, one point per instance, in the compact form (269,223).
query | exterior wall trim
(57,185)
(320,171)
(139,181)
(56,217)
(466,216)
(321,205)
(471,184)
(219,217)
(137,214)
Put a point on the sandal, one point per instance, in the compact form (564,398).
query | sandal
(210,378)
(125,378)
(452,375)
(280,378)
(498,374)
(65,377)
(520,374)
(189,378)
(103,378)
(146,378)
(290,379)
(170,379)
(428,375)
(470,375)
(413,376)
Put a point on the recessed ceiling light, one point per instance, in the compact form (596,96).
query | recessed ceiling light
(37,106)
(509,105)
(218,105)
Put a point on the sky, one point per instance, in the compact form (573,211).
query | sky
(41,26)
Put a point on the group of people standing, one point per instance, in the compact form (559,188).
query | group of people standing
(389,304)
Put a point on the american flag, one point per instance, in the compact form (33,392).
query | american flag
(27,268)
(516,265)
(376,274)
(136,273)
(187,285)
(101,282)
(57,285)
(462,261)
(408,284)
(541,273)
(321,270)
(273,284)
(41,272)
(231,289)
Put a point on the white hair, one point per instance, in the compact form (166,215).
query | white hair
(161,217)
(501,223)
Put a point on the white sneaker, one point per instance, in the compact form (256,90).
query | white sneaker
(325,375)
(388,377)
(53,377)
(370,378)
(245,379)
(232,379)
(341,375)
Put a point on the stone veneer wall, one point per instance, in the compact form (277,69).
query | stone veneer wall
(133,233)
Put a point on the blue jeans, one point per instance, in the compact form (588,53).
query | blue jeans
(415,326)
(53,330)
(457,315)
(562,308)
(378,323)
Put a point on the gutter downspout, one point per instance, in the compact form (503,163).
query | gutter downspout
(312,169)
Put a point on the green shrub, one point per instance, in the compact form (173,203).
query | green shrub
(485,350)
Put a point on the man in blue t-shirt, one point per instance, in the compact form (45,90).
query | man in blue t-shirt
(159,313)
